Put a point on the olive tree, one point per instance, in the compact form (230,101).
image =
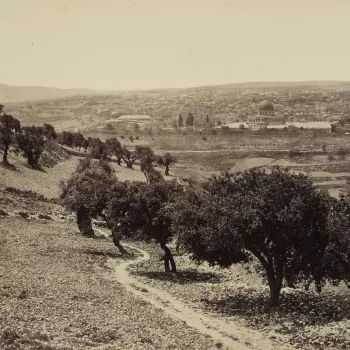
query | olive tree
(31,141)
(137,210)
(114,147)
(166,161)
(129,157)
(86,192)
(280,219)
(9,126)
(147,158)
(98,149)
(49,132)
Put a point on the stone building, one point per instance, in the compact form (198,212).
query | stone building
(265,117)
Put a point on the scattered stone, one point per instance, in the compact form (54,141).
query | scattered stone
(44,217)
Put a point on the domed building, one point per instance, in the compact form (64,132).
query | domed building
(265,117)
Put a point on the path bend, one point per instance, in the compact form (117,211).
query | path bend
(228,333)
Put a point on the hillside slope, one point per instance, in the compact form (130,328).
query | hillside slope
(12,93)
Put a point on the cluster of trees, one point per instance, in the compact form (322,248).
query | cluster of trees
(296,232)
(188,122)
(103,150)
(74,139)
(28,140)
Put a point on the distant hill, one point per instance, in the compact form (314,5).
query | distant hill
(276,85)
(11,93)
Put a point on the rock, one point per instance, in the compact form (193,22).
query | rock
(44,217)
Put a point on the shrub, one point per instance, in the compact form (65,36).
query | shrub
(294,153)
(342,152)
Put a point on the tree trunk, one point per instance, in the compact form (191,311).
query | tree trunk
(119,160)
(178,247)
(146,176)
(116,240)
(167,170)
(274,295)
(4,158)
(84,222)
(129,164)
(30,158)
(275,284)
(168,258)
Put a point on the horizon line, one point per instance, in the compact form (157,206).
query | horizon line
(179,88)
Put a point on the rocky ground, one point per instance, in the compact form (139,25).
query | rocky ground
(58,292)
(304,320)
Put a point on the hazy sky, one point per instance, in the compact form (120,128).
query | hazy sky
(118,44)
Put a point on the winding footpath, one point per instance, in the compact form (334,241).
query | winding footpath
(228,333)
(231,335)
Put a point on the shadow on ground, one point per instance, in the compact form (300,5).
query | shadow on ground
(181,277)
(9,166)
(299,309)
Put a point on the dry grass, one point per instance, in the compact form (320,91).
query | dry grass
(57,292)
(44,181)
(305,320)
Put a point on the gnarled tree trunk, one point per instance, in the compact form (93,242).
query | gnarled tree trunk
(84,222)
(168,259)
(275,279)
(116,240)
(167,170)
(30,158)
(6,150)
(274,268)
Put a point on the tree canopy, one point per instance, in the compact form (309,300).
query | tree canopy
(166,160)
(9,126)
(114,147)
(190,119)
(98,149)
(86,191)
(138,210)
(31,142)
(278,218)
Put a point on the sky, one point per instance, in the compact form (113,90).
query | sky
(145,44)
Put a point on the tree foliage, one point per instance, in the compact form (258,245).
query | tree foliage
(9,126)
(78,140)
(190,119)
(86,191)
(49,132)
(138,210)
(278,218)
(147,158)
(114,147)
(181,121)
(129,157)
(166,160)
(98,149)
(31,141)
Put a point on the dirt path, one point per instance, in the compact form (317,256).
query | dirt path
(227,333)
